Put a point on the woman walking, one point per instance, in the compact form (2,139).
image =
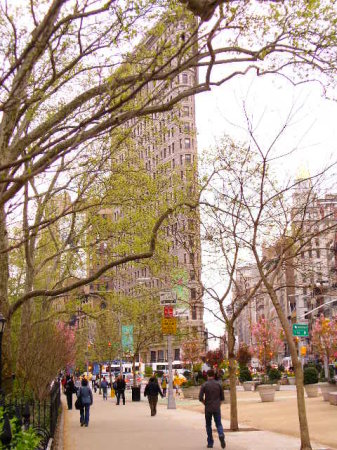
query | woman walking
(86,399)
(152,390)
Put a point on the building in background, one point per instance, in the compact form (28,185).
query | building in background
(166,140)
(307,283)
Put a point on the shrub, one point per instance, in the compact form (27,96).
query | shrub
(310,375)
(245,374)
(274,375)
(148,371)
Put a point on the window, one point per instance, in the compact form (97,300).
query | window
(177,354)
(194,312)
(172,147)
(160,355)
(181,160)
(187,143)
(191,258)
(186,111)
(192,275)
(188,158)
(182,174)
(153,356)
(173,163)
(318,253)
(181,143)
(185,78)
(185,258)
(193,293)
(186,127)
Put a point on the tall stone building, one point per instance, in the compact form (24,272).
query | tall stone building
(167,140)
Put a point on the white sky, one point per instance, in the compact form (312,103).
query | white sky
(269,100)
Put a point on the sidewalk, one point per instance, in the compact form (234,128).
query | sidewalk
(131,426)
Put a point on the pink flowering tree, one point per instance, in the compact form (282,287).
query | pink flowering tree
(266,340)
(324,337)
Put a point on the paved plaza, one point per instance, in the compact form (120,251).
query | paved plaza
(131,426)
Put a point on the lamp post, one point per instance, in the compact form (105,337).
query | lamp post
(2,327)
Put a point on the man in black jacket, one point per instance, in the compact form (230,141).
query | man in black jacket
(120,389)
(152,390)
(211,395)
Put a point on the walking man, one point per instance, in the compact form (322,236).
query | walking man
(104,386)
(120,389)
(152,390)
(211,395)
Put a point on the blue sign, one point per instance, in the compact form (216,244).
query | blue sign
(127,338)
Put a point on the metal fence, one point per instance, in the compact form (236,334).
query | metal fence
(40,415)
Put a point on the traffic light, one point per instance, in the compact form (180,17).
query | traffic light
(303,351)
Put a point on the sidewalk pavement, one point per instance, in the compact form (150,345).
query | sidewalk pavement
(131,426)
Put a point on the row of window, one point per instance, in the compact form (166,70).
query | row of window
(161,355)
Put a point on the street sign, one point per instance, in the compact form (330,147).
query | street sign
(168,311)
(169,325)
(300,329)
(168,297)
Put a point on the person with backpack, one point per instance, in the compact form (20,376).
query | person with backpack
(151,391)
(104,386)
(211,395)
(86,400)
(120,389)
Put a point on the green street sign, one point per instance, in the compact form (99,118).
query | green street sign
(300,329)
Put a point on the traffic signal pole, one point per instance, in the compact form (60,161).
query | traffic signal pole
(171,402)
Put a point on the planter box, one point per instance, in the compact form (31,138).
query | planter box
(191,392)
(292,381)
(267,392)
(326,388)
(247,385)
(311,390)
(333,398)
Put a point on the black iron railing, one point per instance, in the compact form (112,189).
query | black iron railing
(41,416)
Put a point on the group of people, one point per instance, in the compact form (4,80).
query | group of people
(211,395)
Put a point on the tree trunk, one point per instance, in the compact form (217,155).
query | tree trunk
(302,416)
(134,370)
(4,305)
(234,426)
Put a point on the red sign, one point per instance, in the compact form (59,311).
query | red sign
(168,311)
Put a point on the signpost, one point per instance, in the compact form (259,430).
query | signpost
(168,298)
(169,325)
(300,329)
(168,311)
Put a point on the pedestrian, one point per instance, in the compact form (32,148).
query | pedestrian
(69,391)
(151,391)
(77,383)
(86,399)
(211,395)
(93,380)
(104,386)
(63,383)
(164,385)
(120,389)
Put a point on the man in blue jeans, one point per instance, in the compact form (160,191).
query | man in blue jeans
(211,395)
